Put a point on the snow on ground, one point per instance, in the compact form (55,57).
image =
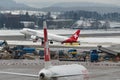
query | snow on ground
(107,40)
(60,31)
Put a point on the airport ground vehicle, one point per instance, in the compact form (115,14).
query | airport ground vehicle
(94,56)
(73,52)
(19,51)
(3,45)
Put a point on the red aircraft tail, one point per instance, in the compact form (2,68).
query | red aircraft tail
(46,47)
(73,38)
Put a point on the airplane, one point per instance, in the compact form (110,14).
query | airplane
(50,72)
(35,35)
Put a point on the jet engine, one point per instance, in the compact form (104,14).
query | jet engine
(45,75)
(42,76)
(51,42)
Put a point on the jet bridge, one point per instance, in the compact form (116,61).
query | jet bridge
(106,50)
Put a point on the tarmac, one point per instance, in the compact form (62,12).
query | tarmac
(97,71)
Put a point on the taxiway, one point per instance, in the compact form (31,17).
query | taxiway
(97,71)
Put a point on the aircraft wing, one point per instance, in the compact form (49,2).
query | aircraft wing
(19,74)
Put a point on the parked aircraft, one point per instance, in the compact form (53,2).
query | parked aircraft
(50,72)
(35,35)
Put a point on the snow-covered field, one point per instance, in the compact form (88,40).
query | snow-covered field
(60,31)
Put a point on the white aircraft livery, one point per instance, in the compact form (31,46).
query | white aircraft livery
(50,72)
(35,35)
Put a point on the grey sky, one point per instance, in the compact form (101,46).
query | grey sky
(45,3)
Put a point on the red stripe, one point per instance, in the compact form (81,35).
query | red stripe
(47,57)
(45,34)
(46,48)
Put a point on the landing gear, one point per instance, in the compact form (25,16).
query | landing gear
(42,42)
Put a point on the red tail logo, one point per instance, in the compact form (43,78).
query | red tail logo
(73,38)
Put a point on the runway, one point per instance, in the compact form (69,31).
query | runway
(88,38)
(22,37)
(84,42)
(96,72)
(91,40)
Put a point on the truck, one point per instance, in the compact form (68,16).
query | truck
(20,50)
(29,50)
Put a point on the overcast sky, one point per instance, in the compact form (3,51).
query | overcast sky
(45,3)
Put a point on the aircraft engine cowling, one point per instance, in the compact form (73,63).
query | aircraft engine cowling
(45,75)
(42,76)
(34,38)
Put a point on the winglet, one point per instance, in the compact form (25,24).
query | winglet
(46,47)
